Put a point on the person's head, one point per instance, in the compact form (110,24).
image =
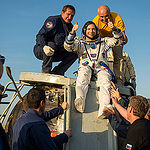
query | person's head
(148,112)
(2,61)
(138,106)
(25,103)
(68,13)
(36,99)
(90,31)
(104,13)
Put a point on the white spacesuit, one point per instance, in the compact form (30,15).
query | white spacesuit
(91,53)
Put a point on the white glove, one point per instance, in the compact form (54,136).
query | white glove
(111,42)
(48,50)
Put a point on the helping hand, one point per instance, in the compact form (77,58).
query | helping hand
(64,105)
(75,28)
(68,133)
(114,93)
(110,24)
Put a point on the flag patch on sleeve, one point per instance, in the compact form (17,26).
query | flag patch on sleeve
(128,146)
(49,25)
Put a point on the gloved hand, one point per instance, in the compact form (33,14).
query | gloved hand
(133,82)
(48,50)
(111,42)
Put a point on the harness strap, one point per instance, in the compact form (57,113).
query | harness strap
(112,74)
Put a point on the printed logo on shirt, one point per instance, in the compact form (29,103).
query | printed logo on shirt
(128,146)
(49,25)
(93,55)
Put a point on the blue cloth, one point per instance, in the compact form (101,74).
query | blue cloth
(121,128)
(30,132)
(53,34)
(1,144)
(3,139)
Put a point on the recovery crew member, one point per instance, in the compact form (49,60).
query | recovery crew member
(50,40)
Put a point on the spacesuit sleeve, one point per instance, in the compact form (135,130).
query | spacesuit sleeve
(111,42)
(72,43)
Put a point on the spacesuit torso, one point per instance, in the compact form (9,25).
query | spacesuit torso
(91,53)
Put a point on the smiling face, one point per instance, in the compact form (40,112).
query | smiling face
(68,15)
(104,13)
(104,16)
(90,32)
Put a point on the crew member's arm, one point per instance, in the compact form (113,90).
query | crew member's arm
(63,137)
(41,137)
(45,37)
(47,115)
(131,70)
(70,43)
(123,40)
(111,42)
(115,96)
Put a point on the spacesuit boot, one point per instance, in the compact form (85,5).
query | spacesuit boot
(103,107)
(79,104)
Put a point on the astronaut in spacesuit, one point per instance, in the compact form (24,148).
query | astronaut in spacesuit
(91,49)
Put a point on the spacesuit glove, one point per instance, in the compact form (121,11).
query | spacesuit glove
(111,42)
(117,33)
(48,50)
(133,82)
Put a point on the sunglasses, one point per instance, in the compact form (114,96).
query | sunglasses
(2,59)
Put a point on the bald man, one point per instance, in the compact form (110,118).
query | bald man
(107,22)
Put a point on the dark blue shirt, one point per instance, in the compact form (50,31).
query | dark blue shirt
(1,144)
(31,132)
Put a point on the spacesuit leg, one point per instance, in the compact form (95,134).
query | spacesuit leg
(82,84)
(103,82)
